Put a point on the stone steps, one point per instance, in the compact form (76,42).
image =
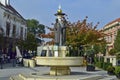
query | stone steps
(33,77)
(27,77)
(16,78)
(109,78)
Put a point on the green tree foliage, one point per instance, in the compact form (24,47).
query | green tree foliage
(117,42)
(29,44)
(35,27)
(96,48)
(103,48)
(112,51)
(34,30)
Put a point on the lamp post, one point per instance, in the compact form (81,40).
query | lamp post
(1,36)
(1,55)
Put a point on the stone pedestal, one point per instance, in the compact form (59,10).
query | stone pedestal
(62,51)
(60,70)
(28,62)
(25,62)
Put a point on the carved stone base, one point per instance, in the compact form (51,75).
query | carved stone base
(60,70)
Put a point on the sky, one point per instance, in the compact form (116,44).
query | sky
(103,11)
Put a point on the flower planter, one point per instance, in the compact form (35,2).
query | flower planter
(111,70)
(110,73)
(90,68)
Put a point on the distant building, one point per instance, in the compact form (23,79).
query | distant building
(110,31)
(12,25)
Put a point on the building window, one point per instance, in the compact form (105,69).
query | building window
(8,16)
(107,38)
(111,38)
(25,33)
(7,29)
(115,34)
(17,32)
(21,33)
(14,31)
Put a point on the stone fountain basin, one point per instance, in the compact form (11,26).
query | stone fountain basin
(59,61)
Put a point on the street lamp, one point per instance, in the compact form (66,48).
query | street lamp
(1,35)
(1,57)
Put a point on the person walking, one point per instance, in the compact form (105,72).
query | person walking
(13,59)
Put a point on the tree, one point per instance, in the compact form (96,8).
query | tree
(103,48)
(112,51)
(80,33)
(29,44)
(35,27)
(117,42)
(96,48)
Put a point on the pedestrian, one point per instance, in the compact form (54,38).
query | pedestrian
(1,59)
(13,59)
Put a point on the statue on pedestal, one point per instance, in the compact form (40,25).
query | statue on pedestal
(60,28)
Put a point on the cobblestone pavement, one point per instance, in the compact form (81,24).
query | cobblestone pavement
(8,71)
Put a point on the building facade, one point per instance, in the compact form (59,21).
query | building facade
(12,25)
(110,31)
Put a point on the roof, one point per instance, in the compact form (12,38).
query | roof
(12,9)
(9,7)
(116,20)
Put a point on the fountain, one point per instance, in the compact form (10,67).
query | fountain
(54,56)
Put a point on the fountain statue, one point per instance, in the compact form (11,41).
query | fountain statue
(60,28)
(54,56)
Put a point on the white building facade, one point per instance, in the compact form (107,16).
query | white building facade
(12,24)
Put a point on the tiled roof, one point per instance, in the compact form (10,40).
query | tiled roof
(116,20)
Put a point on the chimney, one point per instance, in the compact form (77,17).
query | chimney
(5,2)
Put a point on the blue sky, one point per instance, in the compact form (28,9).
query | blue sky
(102,11)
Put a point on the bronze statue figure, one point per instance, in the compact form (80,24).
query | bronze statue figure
(60,29)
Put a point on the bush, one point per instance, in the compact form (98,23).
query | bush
(102,59)
(117,71)
(98,64)
(110,70)
(105,65)
(118,55)
(95,59)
